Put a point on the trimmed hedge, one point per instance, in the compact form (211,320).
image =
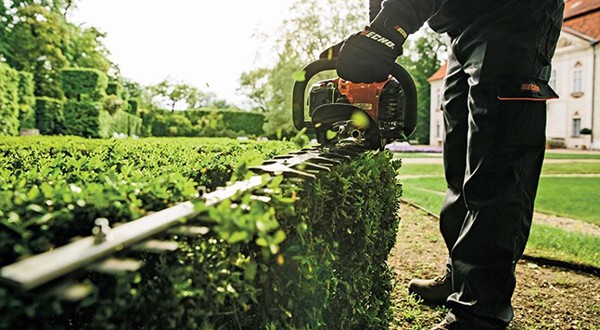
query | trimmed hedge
(121,123)
(229,123)
(313,257)
(9,100)
(26,100)
(82,118)
(49,116)
(243,122)
(83,84)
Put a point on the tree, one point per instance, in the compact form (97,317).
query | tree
(36,37)
(313,26)
(36,44)
(422,58)
(180,94)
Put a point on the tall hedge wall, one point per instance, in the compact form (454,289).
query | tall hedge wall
(9,100)
(243,122)
(220,123)
(83,84)
(26,100)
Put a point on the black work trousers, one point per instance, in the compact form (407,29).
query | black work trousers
(494,105)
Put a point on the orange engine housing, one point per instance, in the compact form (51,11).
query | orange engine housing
(364,96)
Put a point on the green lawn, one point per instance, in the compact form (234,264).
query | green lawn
(560,155)
(553,243)
(571,168)
(570,196)
(417,155)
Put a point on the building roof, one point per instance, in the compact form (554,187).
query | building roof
(583,16)
(574,8)
(439,74)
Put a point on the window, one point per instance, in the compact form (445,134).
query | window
(438,130)
(578,81)
(576,128)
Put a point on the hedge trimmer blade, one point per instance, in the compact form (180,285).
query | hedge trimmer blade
(340,123)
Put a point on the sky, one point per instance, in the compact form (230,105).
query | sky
(204,43)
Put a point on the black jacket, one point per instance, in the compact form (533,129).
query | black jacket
(442,15)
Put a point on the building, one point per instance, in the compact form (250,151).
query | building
(575,77)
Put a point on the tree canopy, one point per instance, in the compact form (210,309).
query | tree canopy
(36,37)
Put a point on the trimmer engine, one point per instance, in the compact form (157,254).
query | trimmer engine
(384,103)
(369,115)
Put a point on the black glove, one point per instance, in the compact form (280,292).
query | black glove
(368,56)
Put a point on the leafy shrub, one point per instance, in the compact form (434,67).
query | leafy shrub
(9,100)
(83,84)
(26,100)
(313,257)
(49,116)
(120,122)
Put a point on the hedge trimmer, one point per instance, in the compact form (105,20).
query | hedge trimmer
(343,112)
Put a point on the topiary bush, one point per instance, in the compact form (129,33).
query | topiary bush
(83,84)
(133,106)
(114,88)
(82,118)
(49,116)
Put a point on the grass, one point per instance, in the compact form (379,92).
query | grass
(567,196)
(553,243)
(417,155)
(571,197)
(560,155)
(570,168)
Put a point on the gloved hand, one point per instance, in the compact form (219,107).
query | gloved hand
(368,56)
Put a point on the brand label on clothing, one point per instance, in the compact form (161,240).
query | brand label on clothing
(379,38)
(515,88)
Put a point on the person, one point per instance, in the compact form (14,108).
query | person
(494,108)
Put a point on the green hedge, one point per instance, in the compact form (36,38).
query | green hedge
(114,88)
(82,118)
(133,106)
(49,116)
(83,84)
(88,119)
(9,100)
(209,123)
(121,123)
(243,122)
(313,257)
(26,100)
